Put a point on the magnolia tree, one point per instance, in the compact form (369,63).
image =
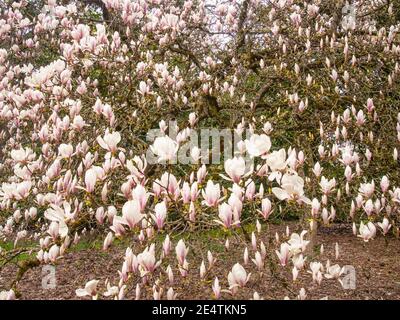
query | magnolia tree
(104,106)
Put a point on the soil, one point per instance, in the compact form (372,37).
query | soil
(377,266)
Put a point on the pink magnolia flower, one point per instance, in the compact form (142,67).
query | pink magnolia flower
(171,295)
(258,261)
(165,148)
(327,186)
(367,232)
(147,260)
(225,215)
(192,119)
(118,225)
(107,241)
(334,272)
(181,251)
(236,204)
(258,145)
(216,288)
(283,254)
(317,170)
(369,207)
(315,207)
(54,253)
(297,243)
(140,194)
(367,189)
(160,214)
(185,192)
(235,168)
(89,290)
(7,295)
(166,245)
(65,150)
(192,212)
(201,173)
(168,184)
(131,213)
(90,179)
(211,194)
(22,155)
(292,189)
(250,190)
(385,225)
(370,105)
(110,141)
(276,161)
(385,184)
(238,277)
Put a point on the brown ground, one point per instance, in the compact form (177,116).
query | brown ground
(377,268)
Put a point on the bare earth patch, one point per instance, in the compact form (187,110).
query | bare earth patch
(376,263)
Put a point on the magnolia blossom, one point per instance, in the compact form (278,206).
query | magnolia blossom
(277,162)
(181,252)
(258,261)
(165,148)
(60,215)
(367,232)
(211,194)
(168,184)
(266,208)
(147,260)
(141,195)
(107,241)
(236,204)
(385,184)
(22,155)
(7,295)
(292,189)
(226,215)
(131,213)
(385,225)
(334,272)
(297,243)
(90,179)
(326,185)
(160,214)
(283,254)
(118,225)
(54,253)
(216,288)
(89,290)
(235,168)
(16,191)
(65,150)
(237,277)
(367,189)
(109,141)
(258,145)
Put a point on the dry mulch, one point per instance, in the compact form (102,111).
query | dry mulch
(377,266)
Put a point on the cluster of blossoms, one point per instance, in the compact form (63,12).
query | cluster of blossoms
(77,98)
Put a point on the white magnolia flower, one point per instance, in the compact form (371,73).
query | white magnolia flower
(89,290)
(131,213)
(258,145)
(109,141)
(236,169)
(22,155)
(367,232)
(292,189)
(7,295)
(238,276)
(165,148)
(277,162)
